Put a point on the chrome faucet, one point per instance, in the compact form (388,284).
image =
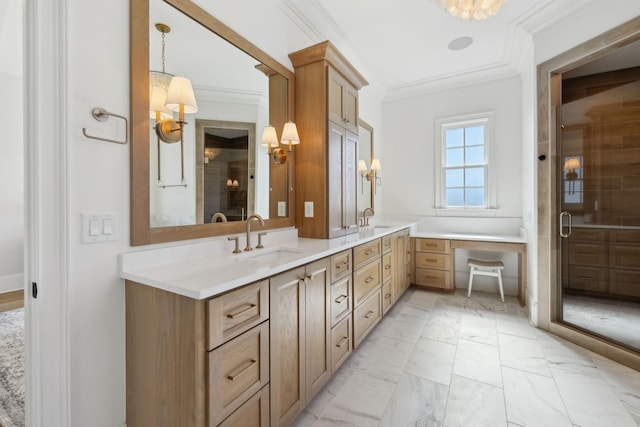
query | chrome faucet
(251,217)
(365,219)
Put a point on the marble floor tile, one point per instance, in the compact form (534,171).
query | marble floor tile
(478,329)
(362,399)
(477,361)
(533,400)
(416,402)
(402,327)
(522,353)
(441,328)
(590,401)
(380,356)
(472,404)
(432,360)
(526,377)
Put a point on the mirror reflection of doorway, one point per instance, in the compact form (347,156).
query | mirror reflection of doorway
(599,194)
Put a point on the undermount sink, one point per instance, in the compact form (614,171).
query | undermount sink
(382,226)
(271,254)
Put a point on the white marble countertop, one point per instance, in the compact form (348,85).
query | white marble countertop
(204,270)
(503,238)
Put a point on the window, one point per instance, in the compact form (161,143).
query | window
(463,180)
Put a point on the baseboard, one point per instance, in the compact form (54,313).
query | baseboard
(11,300)
(11,282)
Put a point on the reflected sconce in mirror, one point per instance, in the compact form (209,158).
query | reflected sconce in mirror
(170,93)
(211,154)
(232,184)
(570,166)
(372,174)
(290,138)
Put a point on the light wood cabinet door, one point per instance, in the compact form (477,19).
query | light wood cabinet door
(317,327)
(366,316)
(253,413)
(300,338)
(341,175)
(341,299)
(342,98)
(341,343)
(287,300)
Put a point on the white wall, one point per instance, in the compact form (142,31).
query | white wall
(12,158)
(408,154)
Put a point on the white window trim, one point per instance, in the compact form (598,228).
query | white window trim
(441,125)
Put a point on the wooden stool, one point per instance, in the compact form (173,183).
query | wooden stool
(485,268)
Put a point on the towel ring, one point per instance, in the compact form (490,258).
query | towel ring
(102,115)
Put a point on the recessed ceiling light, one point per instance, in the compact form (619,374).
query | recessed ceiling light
(460,43)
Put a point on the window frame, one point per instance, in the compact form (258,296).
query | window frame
(468,120)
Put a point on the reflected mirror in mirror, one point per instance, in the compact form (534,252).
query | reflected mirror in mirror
(365,154)
(229,87)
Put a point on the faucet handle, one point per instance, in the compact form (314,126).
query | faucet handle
(237,249)
(259,245)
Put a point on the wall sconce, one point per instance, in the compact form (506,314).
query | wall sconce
(289,137)
(372,174)
(167,94)
(570,165)
(211,154)
(269,139)
(232,184)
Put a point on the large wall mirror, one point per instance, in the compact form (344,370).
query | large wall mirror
(365,154)
(211,179)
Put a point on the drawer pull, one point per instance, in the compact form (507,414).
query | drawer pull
(233,376)
(430,277)
(342,342)
(585,277)
(369,252)
(307,278)
(368,279)
(342,265)
(387,267)
(430,245)
(340,299)
(387,296)
(369,313)
(241,312)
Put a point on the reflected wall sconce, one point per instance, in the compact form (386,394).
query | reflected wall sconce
(211,153)
(232,184)
(372,174)
(570,166)
(170,93)
(290,138)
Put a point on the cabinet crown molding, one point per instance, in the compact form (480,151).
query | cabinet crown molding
(326,51)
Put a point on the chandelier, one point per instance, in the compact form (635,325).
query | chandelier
(472,9)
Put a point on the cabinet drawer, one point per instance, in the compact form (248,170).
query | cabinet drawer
(366,252)
(591,279)
(624,236)
(237,370)
(588,234)
(341,265)
(365,280)
(387,296)
(366,317)
(253,413)
(433,278)
(341,343)
(386,244)
(625,283)
(624,257)
(590,254)
(437,261)
(231,314)
(387,267)
(341,295)
(433,245)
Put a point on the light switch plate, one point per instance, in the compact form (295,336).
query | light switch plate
(308,209)
(99,227)
(282,208)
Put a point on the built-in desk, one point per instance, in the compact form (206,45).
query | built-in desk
(489,243)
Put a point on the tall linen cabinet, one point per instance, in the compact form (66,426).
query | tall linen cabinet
(326,87)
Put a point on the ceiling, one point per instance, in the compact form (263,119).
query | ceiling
(403,43)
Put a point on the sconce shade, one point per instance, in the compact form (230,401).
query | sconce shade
(181,93)
(235,183)
(269,137)
(229,182)
(375,165)
(362,166)
(290,134)
(157,98)
(571,164)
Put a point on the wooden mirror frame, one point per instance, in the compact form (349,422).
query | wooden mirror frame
(141,231)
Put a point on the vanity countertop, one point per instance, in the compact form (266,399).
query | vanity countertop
(499,238)
(204,270)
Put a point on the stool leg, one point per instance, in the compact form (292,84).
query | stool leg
(500,285)
(471,270)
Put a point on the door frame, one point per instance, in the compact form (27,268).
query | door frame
(46,214)
(549,87)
